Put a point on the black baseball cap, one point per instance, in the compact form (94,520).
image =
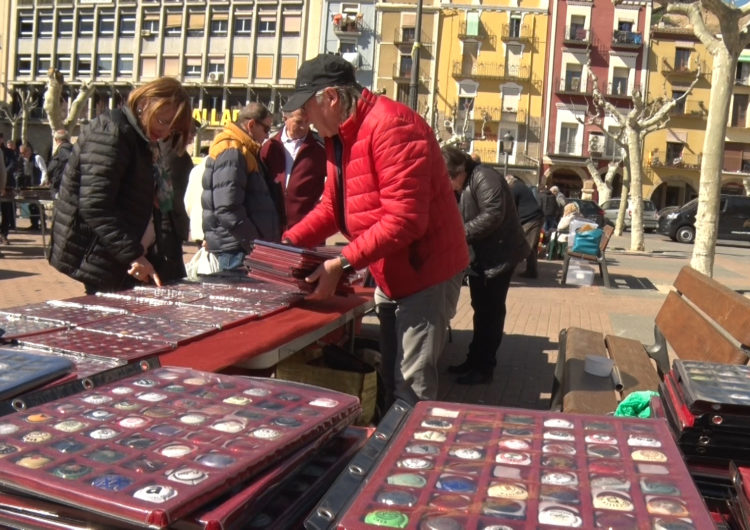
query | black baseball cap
(323,71)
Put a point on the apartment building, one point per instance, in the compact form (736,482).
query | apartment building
(349,29)
(491,66)
(227,53)
(606,40)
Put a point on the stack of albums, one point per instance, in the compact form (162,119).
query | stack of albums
(289,265)
(454,466)
(157,447)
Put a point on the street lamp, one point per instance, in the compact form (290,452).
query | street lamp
(506,146)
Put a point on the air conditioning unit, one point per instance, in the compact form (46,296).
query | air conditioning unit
(596,143)
(146,33)
(215,77)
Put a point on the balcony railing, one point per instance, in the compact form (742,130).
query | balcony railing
(576,35)
(690,108)
(571,148)
(399,38)
(627,39)
(618,89)
(574,85)
(689,69)
(522,33)
(690,161)
(491,71)
(492,113)
(401,73)
(480,34)
(347,25)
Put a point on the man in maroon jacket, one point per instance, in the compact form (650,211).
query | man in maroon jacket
(297,162)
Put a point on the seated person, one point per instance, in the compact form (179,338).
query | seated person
(559,239)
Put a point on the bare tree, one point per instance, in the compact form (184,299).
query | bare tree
(603,185)
(57,116)
(27,101)
(725,47)
(643,117)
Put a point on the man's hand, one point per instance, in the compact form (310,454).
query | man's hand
(327,275)
(142,270)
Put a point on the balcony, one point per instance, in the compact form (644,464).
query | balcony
(479,33)
(492,113)
(627,39)
(523,33)
(347,25)
(570,148)
(684,160)
(576,36)
(682,70)
(401,74)
(690,108)
(491,71)
(618,89)
(572,85)
(404,38)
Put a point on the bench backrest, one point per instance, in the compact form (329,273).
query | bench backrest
(704,321)
(607,234)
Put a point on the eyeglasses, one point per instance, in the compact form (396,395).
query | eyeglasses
(266,128)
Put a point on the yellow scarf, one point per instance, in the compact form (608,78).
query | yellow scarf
(233,137)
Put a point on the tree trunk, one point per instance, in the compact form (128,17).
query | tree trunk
(636,190)
(707,217)
(624,193)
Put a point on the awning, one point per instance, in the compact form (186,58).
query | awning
(744,56)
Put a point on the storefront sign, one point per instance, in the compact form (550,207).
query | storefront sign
(212,116)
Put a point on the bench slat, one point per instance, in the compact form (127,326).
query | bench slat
(728,308)
(582,392)
(636,370)
(692,337)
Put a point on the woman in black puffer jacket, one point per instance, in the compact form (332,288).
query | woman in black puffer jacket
(102,225)
(496,245)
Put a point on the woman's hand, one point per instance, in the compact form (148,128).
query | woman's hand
(142,270)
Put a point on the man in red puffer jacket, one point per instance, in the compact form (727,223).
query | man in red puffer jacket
(389,194)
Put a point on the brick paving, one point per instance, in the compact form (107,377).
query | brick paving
(537,309)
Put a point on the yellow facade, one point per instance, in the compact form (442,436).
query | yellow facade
(490,72)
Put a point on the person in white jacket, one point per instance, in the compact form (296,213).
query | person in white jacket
(193,201)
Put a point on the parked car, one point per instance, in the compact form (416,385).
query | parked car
(734,220)
(650,216)
(589,210)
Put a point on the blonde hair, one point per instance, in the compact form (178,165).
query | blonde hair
(570,208)
(161,93)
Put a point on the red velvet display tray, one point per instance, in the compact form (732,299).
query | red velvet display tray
(153,329)
(191,313)
(152,448)
(462,466)
(103,345)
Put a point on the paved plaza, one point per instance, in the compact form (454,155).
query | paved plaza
(537,309)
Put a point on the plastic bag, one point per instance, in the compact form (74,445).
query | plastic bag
(202,263)
(587,242)
(636,405)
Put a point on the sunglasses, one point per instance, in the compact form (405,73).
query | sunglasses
(266,128)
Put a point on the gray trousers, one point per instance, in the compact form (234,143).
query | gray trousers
(413,334)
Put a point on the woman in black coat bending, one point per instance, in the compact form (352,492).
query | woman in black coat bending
(496,245)
(103,214)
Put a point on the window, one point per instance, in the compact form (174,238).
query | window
(408,34)
(674,153)
(743,73)
(682,59)
(63,64)
(573,76)
(26,25)
(193,67)
(43,64)
(86,25)
(127,24)
(404,66)
(23,65)
(45,23)
(104,65)
(124,64)
(216,66)
(679,107)
(514,28)
(65,24)
(568,133)
(577,28)
(620,81)
(150,23)
(291,23)
(243,25)
(173,23)
(267,24)
(625,25)
(739,110)
(83,65)
(219,23)
(196,22)
(610,146)
(402,93)
(106,23)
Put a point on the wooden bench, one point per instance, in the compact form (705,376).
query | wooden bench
(700,320)
(599,258)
